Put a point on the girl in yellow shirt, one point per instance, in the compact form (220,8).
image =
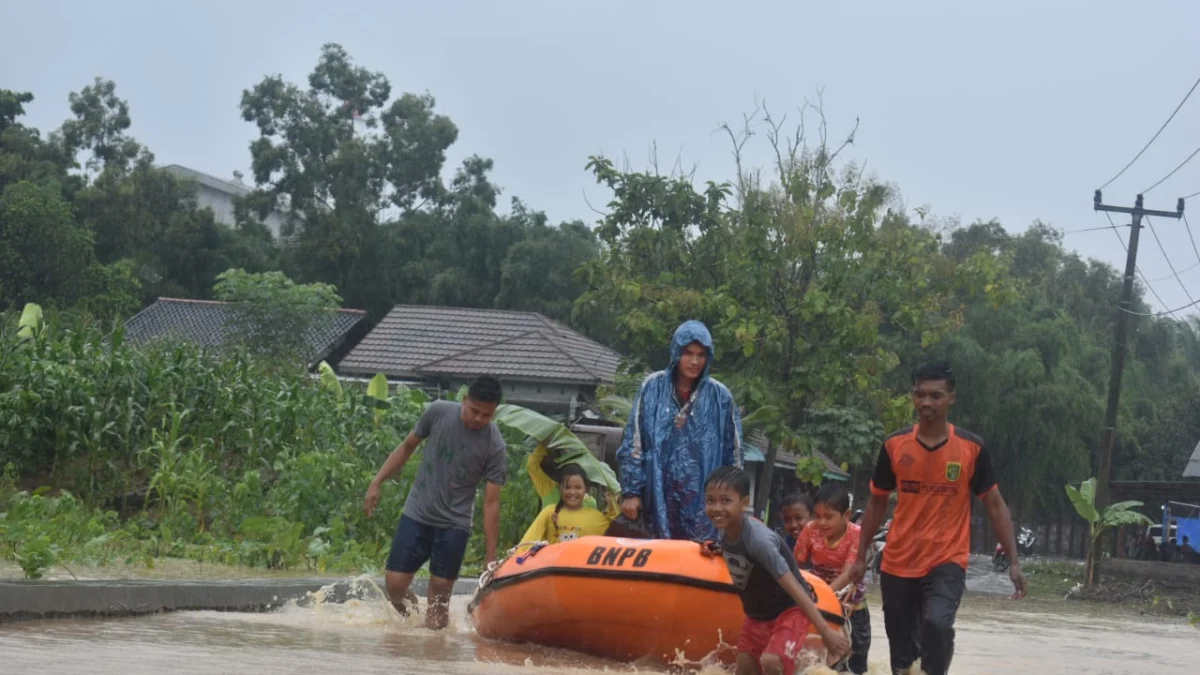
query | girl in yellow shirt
(569,518)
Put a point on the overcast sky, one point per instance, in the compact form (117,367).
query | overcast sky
(1017,111)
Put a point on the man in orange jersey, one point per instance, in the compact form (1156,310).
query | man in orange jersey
(934,468)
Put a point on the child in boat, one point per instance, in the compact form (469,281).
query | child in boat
(569,518)
(779,604)
(830,544)
(795,512)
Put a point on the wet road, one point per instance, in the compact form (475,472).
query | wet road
(364,636)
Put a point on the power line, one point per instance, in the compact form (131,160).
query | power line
(1166,313)
(1155,137)
(1090,229)
(1183,271)
(1195,248)
(1181,165)
(1170,265)
(1145,281)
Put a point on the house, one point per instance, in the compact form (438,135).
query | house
(210,323)
(785,481)
(1192,470)
(218,194)
(540,363)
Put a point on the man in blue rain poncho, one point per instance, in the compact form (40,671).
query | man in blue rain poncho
(684,425)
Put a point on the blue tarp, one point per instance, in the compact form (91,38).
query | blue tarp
(1190,528)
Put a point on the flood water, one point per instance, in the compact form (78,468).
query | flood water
(363,635)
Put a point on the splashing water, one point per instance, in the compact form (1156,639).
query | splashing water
(350,627)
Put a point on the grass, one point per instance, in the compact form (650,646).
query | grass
(1053,579)
(1058,580)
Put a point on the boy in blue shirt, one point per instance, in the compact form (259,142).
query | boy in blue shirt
(780,606)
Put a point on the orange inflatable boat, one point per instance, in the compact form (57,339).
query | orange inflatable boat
(625,599)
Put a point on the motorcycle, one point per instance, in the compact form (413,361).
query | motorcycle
(878,543)
(1025,543)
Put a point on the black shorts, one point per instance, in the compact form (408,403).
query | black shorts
(416,543)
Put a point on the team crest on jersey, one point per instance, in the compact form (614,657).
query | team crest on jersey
(953,471)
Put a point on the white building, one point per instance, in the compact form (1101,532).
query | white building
(218,193)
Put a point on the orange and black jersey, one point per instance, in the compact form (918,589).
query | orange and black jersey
(932,522)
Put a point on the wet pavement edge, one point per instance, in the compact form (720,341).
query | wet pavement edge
(24,600)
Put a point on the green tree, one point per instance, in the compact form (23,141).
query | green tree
(24,155)
(1033,372)
(337,157)
(799,273)
(275,316)
(538,273)
(43,252)
(99,126)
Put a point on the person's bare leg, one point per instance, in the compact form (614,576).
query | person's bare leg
(747,664)
(399,592)
(438,614)
(771,664)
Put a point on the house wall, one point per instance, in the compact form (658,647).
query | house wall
(548,398)
(221,204)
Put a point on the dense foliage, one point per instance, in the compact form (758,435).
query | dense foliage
(88,219)
(823,295)
(177,452)
(1033,373)
(822,290)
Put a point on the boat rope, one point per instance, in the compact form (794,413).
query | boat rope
(490,571)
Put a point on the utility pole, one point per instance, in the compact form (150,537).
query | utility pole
(1119,336)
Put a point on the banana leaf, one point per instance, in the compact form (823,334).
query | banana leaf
(543,484)
(329,380)
(377,396)
(1083,499)
(618,408)
(555,439)
(31,321)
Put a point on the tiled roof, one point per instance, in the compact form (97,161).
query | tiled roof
(423,341)
(759,440)
(219,184)
(209,323)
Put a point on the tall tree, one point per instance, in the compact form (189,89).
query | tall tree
(337,157)
(24,154)
(798,272)
(101,120)
(43,252)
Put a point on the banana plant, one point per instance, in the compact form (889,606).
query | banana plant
(330,381)
(31,323)
(377,397)
(556,440)
(618,408)
(1083,499)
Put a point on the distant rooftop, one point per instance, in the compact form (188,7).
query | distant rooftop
(227,186)
(1192,470)
(756,440)
(416,341)
(209,323)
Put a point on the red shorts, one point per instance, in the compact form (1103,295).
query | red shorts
(784,637)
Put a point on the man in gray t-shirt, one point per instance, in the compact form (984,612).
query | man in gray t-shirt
(463,448)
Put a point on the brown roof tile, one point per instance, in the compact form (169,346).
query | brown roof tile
(209,323)
(416,340)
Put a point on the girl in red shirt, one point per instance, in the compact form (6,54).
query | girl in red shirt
(829,544)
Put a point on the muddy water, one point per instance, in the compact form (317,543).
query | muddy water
(363,635)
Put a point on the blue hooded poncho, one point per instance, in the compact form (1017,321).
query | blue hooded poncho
(666,465)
